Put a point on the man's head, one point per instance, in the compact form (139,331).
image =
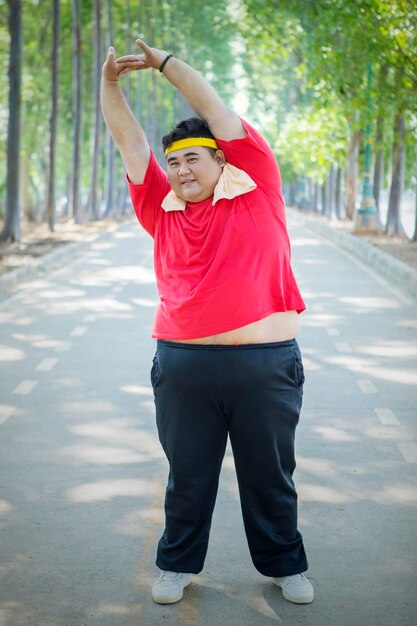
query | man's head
(193,167)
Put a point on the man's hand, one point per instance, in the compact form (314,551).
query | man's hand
(150,57)
(110,70)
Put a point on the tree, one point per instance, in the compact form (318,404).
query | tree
(110,148)
(76,110)
(50,202)
(394,226)
(96,143)
(11,230)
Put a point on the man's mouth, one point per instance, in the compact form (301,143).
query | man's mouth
(187,181)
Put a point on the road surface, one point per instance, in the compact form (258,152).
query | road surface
(82,475)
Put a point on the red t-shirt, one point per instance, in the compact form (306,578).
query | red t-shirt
(224,266)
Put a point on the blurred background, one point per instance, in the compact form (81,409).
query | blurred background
(330,83)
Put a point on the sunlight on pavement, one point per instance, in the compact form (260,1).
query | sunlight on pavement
(310,365)
(369,303)
(127,274)
(402,376)
(11,318)
(125,235)
(144,302)
(104,490)
(98,305)
(135,523)
(334,434)
(321,319)
(246,599)
(141,446)
(137,389)
(108,609)
(396,494)
(313,261)
(325,467)
(393,433)
(11,354)
(5,507)
(104,455)
(80,409)
(6,411)
(60,293)
(391,349)
(304,241)
(317,493)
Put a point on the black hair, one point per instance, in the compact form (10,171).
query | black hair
(192,127)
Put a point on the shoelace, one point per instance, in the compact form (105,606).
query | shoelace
(169,576)
(288,577)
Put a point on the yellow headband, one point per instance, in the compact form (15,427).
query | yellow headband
(192,141)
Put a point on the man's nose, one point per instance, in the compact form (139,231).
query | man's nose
(184,168)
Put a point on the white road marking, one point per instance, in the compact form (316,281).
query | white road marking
(342,346)
(78,331)
(367,386)
(409,451)
(6,411)
(90,318)
(46,365)
(387,417)
(25,387)
(333,332)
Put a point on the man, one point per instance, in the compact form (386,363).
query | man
(227,361)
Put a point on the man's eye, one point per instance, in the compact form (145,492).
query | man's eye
(192,160)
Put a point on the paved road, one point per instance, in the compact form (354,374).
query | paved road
(82,474)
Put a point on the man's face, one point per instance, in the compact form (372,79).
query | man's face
(193,172)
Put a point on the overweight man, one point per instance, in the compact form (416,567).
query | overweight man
(227,362)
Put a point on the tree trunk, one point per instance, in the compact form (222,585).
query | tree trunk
(11,230)
(324,197)
(50,194)
(415,215)
(110,150)
(331,184)
(27,200)
(315,205)
(352,175)
(76,109)
(338,193)
(94,209)
(379,160)
(394,226)
(123,193)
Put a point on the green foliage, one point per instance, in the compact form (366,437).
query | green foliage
(313,59)
(302,66)
(310,142)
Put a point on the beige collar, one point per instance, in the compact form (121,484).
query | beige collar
(232,182)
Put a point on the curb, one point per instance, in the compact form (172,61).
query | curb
(390,268)
(12,281)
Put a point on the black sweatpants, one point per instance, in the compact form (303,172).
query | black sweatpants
(253,393)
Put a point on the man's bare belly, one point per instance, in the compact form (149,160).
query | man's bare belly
(275,327)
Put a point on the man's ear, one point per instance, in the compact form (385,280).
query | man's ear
(220,158)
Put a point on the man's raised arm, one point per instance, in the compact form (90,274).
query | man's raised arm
(122,124)
(203,99)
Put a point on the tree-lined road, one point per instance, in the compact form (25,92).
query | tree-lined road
(83,475)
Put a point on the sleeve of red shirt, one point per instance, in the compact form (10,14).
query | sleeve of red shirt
(253,155)
(148,196)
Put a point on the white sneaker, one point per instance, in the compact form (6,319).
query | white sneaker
(296,588)
(169,587)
